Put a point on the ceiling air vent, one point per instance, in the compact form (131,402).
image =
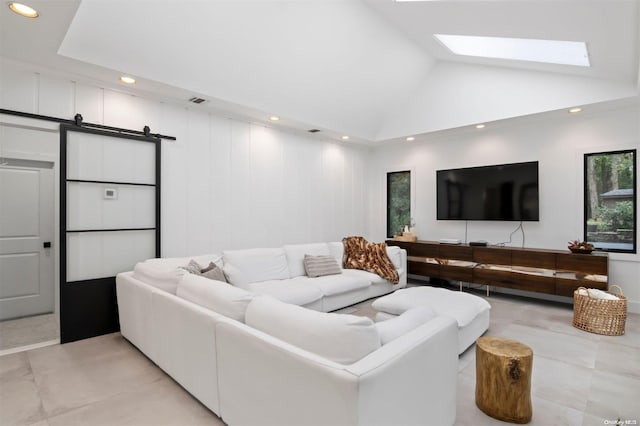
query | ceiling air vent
(197,100)
(313,130)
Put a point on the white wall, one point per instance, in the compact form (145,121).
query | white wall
(230,184)
(557,141)
(225,183)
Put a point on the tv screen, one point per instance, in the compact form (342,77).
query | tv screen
(506,192)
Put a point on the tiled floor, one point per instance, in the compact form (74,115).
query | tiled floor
(28,331)
(578,378)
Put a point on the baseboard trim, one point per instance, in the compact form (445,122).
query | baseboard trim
(29,347)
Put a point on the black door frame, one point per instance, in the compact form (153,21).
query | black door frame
(89,308)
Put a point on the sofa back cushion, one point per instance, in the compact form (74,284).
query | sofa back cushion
(243,267)
(218,296)
(161,278)
(165,273)
(394,255)
(337,251)
(341,338)
(295,256)
(176,262)
(395,327)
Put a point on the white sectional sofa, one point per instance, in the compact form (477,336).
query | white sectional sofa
(279,272)
(254,353)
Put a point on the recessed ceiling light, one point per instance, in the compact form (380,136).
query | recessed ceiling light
(521,49)
(411,138)
(23,10)
(127,80)
(274,118)
(480,126)
(345,138)
(575,110)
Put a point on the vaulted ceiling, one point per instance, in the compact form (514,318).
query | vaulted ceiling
(371,69)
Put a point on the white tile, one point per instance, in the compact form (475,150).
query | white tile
(570,349)
(613,396)
(618,359)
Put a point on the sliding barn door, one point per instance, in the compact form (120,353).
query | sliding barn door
(109,221)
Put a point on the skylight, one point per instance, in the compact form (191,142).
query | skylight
(520,49)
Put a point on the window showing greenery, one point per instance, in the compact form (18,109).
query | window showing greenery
(610,200)
(398,202)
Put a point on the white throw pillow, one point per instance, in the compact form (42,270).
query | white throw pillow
(295,256)
(395,327)
(243,267)
(341,338)
(218,296)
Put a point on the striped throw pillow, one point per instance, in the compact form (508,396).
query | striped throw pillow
(319,266)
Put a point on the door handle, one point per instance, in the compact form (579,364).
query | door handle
(46,244)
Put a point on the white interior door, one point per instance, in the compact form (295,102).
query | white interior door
(26,224)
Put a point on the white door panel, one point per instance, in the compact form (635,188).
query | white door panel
(19,191)
(26,222)
(20,275)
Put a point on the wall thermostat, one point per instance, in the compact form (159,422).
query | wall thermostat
(110,194)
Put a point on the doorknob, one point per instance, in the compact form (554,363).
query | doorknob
(47,244)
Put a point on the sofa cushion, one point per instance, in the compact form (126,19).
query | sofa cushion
(337,251)
(331,285)
(294,290)
(397,326)
(176,262)
(394,255)
(218,296)
(243,267)
(364,275)
(320,266)
(165,273)
(341,338)
(463,307)
(295,256)
(162,278)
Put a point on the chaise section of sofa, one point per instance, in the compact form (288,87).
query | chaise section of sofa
(408,381)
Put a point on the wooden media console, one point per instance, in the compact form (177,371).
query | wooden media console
(539,270)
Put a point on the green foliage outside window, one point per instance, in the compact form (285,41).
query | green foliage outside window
(398,201)
(610,193)
(618,217)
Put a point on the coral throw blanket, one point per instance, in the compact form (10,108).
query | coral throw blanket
(370,257)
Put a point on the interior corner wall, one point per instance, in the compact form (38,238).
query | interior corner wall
(558,143)
(225,183)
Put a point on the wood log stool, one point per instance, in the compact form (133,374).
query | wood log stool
(503,379)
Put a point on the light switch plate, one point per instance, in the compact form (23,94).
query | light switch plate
(110,194)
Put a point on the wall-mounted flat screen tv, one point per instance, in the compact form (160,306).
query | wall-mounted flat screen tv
(507,192)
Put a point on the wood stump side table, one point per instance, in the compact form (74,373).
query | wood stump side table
(503,379)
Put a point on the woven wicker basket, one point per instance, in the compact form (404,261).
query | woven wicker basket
(599,316)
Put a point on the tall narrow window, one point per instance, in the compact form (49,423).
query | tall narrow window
(610,200)
(398,201)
